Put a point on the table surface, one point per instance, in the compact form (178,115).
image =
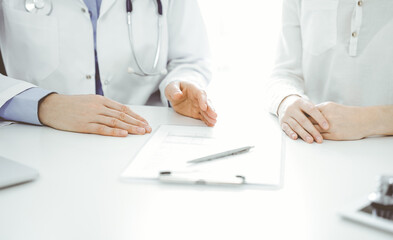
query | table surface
(79,194)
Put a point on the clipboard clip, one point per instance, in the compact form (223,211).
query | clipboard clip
(200,178)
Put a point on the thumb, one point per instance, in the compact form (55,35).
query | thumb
(173,91)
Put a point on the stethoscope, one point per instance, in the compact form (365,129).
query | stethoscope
(129,9)
(45,7)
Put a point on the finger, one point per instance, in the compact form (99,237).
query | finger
(313,121)
(100,129)
(126,118)
(116,123)
(174,92)
(322,131)
(205,121)
(202,99)
(210,121)
(314,112)
(210,110)
(123,108)
(308,126)
(288,130)
(328,136)
(300,130)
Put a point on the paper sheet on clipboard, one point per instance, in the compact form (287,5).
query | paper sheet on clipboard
(172,146)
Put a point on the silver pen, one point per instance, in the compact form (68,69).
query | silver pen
(221,155)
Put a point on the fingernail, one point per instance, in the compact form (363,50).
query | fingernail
(294,136)
(123,132)
(148,129)
(319,139)
(325,125)
(140,130)
(308,139)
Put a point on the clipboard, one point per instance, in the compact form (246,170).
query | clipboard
(165,155)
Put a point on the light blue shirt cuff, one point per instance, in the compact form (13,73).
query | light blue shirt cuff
(24,106)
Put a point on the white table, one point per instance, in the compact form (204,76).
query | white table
(79,194)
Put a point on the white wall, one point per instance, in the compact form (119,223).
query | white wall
(243,37)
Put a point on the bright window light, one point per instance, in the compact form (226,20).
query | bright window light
(243,38)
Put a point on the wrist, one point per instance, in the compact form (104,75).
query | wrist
(44,107)
(378,120)
(370,121)
(285,102)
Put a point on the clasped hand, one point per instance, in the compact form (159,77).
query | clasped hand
(299,117)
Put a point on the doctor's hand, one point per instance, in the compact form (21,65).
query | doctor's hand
(346,122)
(191,101)
(90,114)
(297,117)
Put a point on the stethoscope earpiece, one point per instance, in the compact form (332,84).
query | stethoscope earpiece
(42,7)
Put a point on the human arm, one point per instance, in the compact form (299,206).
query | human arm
(87,114)
(352,123)
(10,87)
(24,106)
(189,69)
(285,89)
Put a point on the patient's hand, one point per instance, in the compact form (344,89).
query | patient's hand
(346,122)
(292,115)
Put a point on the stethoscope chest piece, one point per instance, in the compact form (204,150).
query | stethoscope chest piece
(42,7)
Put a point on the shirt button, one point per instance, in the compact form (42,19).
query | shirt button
(360,3)
(354,34)
(83,10)
(106,82)
(88,77)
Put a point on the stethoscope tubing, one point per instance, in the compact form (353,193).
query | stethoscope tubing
(157,55)
(129,9)
(47,5)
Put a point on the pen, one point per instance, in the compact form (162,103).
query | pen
(221,154)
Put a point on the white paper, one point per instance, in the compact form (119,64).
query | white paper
(172,146)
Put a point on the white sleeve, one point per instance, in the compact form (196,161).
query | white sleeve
(189,54)
(10,87)
(287,77)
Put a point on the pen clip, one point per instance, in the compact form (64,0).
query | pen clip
(200,178)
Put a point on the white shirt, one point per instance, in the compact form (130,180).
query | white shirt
(335,50)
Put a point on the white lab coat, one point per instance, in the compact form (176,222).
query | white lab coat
(56,52)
